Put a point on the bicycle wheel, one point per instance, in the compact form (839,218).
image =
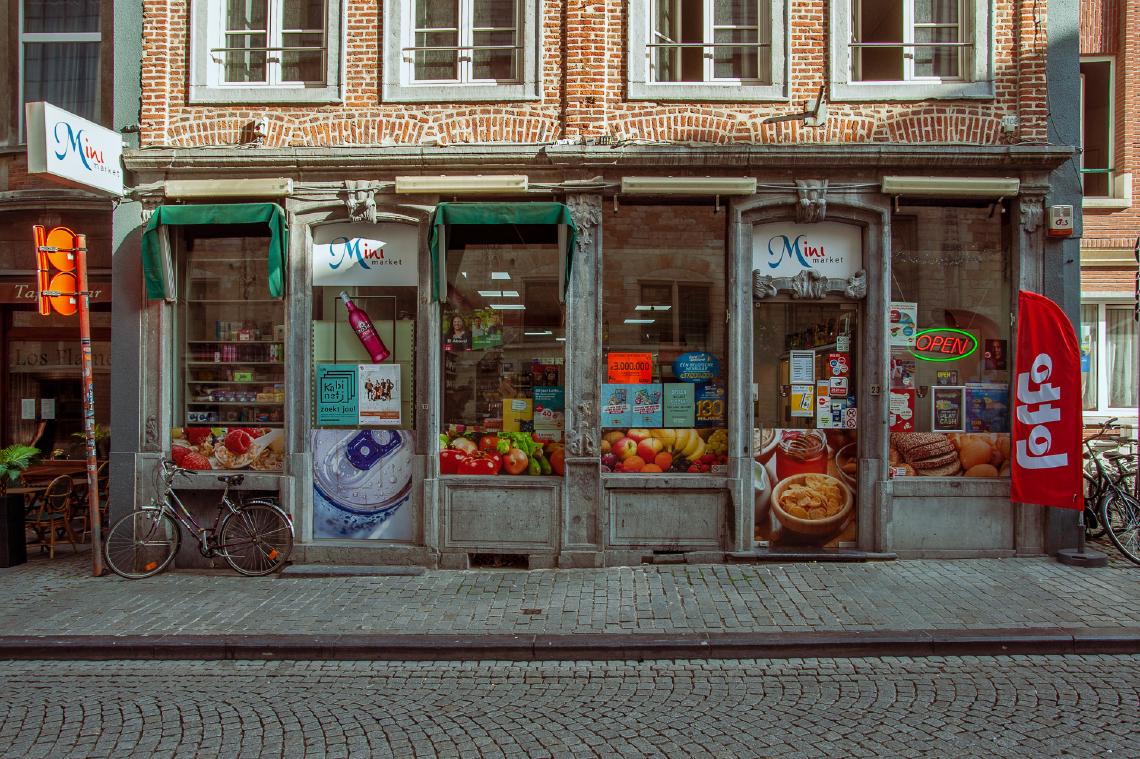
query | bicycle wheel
(142,543)
(1120,513)
(256,539)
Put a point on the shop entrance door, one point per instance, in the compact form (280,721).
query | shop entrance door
(805,461)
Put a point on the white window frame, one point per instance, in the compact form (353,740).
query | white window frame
(976,81)
(638,62)
(1119,182)
(207,32)
(400,87)
(1102,395)
(56,37)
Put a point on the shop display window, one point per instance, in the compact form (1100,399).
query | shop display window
(664,397)
(231,387)
(949,333)
(503,339)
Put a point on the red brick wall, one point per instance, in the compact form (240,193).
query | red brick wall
(584,92)
(1108,280)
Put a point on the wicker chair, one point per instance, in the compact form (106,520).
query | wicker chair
(51,515)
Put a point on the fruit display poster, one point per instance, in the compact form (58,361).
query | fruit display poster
(646,405)
(378,390)
(616,408)
(336,402)
(903,324)
(629,368)
(805,485)
(947,407)
(678,405)
(204,448)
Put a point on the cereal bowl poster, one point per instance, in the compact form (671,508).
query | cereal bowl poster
(805,487)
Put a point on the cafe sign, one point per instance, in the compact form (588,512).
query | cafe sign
(365,255)
(74,150)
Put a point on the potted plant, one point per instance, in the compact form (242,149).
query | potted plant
(13,461)
(102,437)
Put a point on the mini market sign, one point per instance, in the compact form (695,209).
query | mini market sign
(943,344)
(75,151)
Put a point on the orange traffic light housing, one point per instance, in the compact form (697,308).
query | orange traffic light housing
(56,284)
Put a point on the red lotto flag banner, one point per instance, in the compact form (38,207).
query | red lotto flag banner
(1047,423)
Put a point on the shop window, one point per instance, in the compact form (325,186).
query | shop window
(461,50)
(1096,128)
(949,333)
(503,340)
(60,44)
(272,51)
(700,49)
(910,49)
(664,396)
(1109,358)
(231,352)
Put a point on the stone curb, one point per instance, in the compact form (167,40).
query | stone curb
(570,647)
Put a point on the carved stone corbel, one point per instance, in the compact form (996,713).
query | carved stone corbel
(360,200)
(856,285)
(151,441)
(763,286)
(1032,212)
(586,210)
(809,285)
(580,439)
(812,205)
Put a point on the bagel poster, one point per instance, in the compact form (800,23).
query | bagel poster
(1047,465)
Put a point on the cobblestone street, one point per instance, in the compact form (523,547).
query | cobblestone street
(962,707)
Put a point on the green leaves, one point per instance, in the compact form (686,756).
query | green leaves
(14,460)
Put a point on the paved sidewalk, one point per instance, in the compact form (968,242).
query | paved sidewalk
(901,603)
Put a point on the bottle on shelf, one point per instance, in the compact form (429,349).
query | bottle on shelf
(365,331)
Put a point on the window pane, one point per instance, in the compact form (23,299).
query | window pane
(1089,327)
(303,65)
(880,22)
(437,64)
(936,11)
(245,64)
(299,15)
(950,270)
(495,14)
(1096,128)
(1120,333)
(735,12)
(495,64)
(663,310)
(735,62)
(55,16)
(65,74)
(433,14)
(665,61)
(247,15)
(503,347)
(936,61)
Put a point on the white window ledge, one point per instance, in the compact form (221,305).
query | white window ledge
(890,91)
(707,92)
(322,94)
(1121,196)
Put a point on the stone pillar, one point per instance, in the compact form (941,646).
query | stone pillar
(582,509)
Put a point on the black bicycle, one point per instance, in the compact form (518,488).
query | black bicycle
(1117,510)
(254,536)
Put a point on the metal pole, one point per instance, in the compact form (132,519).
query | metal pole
(89,408)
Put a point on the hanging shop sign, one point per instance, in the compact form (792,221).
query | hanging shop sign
(696,367)
(363,255)
(74,150)
(944,344)
(629,368)
(829,249)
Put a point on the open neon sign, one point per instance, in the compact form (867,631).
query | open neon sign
(949,344)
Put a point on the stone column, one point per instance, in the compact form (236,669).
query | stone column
(582,508)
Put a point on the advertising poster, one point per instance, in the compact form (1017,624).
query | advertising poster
(646,405)
(802,367)
(378,391)
(518,415)
(987,408)
(617,409)
(549,408)
(902,370)
(629,368)
(803,400)
(951,454)
(678,405)
(903,324)
(947,409)
(261,449)
(805,484)
(640,450)
(336,401)
(697,367)
(901,409)
(486,329)
(456,331)
(946,377)
(362,484)
(711,402)
(994,355)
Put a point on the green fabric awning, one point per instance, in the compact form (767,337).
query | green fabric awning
(270,214)
(498,213)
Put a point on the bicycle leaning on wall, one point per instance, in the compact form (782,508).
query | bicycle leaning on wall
(1117,510)
(254,536)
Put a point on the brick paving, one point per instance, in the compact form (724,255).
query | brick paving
(58,597)
(798,708)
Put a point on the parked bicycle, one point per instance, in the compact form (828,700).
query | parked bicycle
(254,536)
(1117,510)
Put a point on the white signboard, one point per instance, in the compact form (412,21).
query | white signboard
(828,247)
(378,394)
(73,149)
(802,369)
(362,255)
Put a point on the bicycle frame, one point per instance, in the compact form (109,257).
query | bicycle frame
(183,516)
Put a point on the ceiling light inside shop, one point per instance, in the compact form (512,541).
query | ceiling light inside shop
(508,307)
(510,293)
(651,308)
(640,321)
(491,293)
(539,334)
(560,339)
(500,275)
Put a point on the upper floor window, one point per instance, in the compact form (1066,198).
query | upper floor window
(910,49)
(440,50)
(262,51)
(706,50)
(59,46)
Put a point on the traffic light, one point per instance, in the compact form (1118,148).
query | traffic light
(56,284)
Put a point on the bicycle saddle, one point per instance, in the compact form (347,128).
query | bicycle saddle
(232,479)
